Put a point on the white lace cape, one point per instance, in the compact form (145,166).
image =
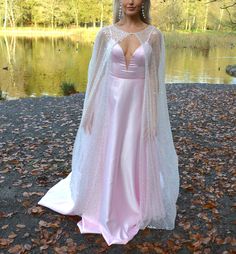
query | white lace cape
(158,173)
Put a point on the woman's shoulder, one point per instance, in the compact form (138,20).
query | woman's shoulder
(104,31)
(154,33)
(157,31)
(156,37)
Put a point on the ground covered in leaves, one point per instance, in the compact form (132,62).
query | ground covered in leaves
(37,136)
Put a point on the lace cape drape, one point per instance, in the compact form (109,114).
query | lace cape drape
(158,172)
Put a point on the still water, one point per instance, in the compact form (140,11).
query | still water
(38,66)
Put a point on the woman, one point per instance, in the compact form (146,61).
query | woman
(124,165)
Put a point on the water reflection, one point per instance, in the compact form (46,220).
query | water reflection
(195,66)
(38,66)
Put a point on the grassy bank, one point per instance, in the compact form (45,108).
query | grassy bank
(84,34)
(200,40)
(177,39)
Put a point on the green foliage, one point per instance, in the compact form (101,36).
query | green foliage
(169,15)
(67,88)
(2,97)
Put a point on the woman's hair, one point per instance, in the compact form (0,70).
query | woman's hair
(147,5)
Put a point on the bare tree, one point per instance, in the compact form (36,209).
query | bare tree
(6,14)
(9,13)
(228,7)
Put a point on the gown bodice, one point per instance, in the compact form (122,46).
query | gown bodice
(136,64)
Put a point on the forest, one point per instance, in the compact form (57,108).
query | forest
(170,15)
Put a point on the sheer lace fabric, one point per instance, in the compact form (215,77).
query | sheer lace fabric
(161,179)
(157,170)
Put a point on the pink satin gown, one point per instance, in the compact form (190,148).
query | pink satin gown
(120,208)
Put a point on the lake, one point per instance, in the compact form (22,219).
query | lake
(38,66)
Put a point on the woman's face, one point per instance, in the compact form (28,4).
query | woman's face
(131,7)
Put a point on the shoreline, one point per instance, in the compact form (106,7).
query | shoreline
(170,85)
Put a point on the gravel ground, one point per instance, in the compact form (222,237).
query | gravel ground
(36,142)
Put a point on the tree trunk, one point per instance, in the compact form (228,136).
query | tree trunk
(76,12)
(206,18)
(102,14)
(221,17)
(52,15)
(77,19)
(12,14)
(5,15)
(187,16)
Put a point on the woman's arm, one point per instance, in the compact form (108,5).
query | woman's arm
(156,41)
(94,73)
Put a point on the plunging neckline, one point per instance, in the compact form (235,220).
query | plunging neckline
(129,33)
(127,64)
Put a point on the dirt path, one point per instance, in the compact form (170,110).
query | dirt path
(36,141)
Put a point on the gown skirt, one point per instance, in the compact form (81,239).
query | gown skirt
(119,211)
